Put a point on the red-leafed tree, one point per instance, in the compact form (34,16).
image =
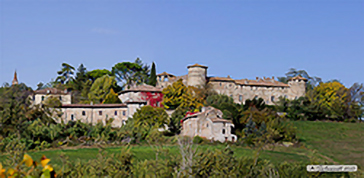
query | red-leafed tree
(153,99)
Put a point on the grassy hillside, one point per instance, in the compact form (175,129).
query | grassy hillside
(335,142)
(341,142)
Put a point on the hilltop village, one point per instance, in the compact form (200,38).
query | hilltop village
(207,123)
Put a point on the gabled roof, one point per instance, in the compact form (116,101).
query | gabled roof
(93,105)
(142,88)
(227,79)
(165,73)
(298,78)
(48,91)
(220,120)
(197,65)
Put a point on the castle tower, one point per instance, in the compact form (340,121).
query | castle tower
(298,86)
(196,75)
(15,80)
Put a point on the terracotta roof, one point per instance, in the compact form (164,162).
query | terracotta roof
(93,106)
(175,78)
(197,65)
(220,120)
(298,78)
(165,73)
(142,88)
(262,82)
(51,91)
(228,79)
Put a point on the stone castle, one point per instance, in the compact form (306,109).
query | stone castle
(240,90)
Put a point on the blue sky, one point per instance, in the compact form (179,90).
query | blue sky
(243,39)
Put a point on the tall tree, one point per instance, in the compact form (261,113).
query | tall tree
(97,73)
(178,95)
(130,73)
(111,98)
(101,87)
(153,76)
(312,81)
(65,75)
(14,106)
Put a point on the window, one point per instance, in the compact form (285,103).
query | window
(100,113)
(42,98)
(116,113)
(60,98)
(272,98)
(231,96)
(207,125)
(220,83)
(256,97)
(83,113)
(33,97)
(223,131)
(166,79)
(295,97)
(72,117)
(285,96)
(240,98)
(124,113)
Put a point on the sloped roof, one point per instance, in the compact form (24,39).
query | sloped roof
(298,78)
(246,82)
(227,79)
(93,106)
(51,91)
(142,88)
(197,65)
(165,73)
(220,120)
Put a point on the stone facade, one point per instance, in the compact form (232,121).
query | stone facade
(240,90)
(42,95)
(208,124)
(89,113)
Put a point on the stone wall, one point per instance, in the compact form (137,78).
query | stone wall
(95,115)
(39,98)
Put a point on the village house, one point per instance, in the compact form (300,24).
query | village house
(208,124)
(94,113)
(39,96)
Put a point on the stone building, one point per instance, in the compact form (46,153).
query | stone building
(140,95)
(239,89)
(94,113)
(41,95)
(208,124)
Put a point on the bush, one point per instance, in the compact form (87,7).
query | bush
(197,140)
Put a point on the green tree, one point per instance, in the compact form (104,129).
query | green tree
(330,98)
(14,106)
(153,76)
(178,94)
(101,87)
(97,73)
(130,73)
(148,118)
(65,75)
(111,98)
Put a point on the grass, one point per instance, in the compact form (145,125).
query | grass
(341,142)
(335,142)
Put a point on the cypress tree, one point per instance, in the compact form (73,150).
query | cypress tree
(153,76)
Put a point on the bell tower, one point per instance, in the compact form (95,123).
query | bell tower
(15,80)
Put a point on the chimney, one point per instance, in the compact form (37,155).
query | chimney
(273,77)
(257,78)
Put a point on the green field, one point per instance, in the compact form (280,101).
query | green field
(341,143)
